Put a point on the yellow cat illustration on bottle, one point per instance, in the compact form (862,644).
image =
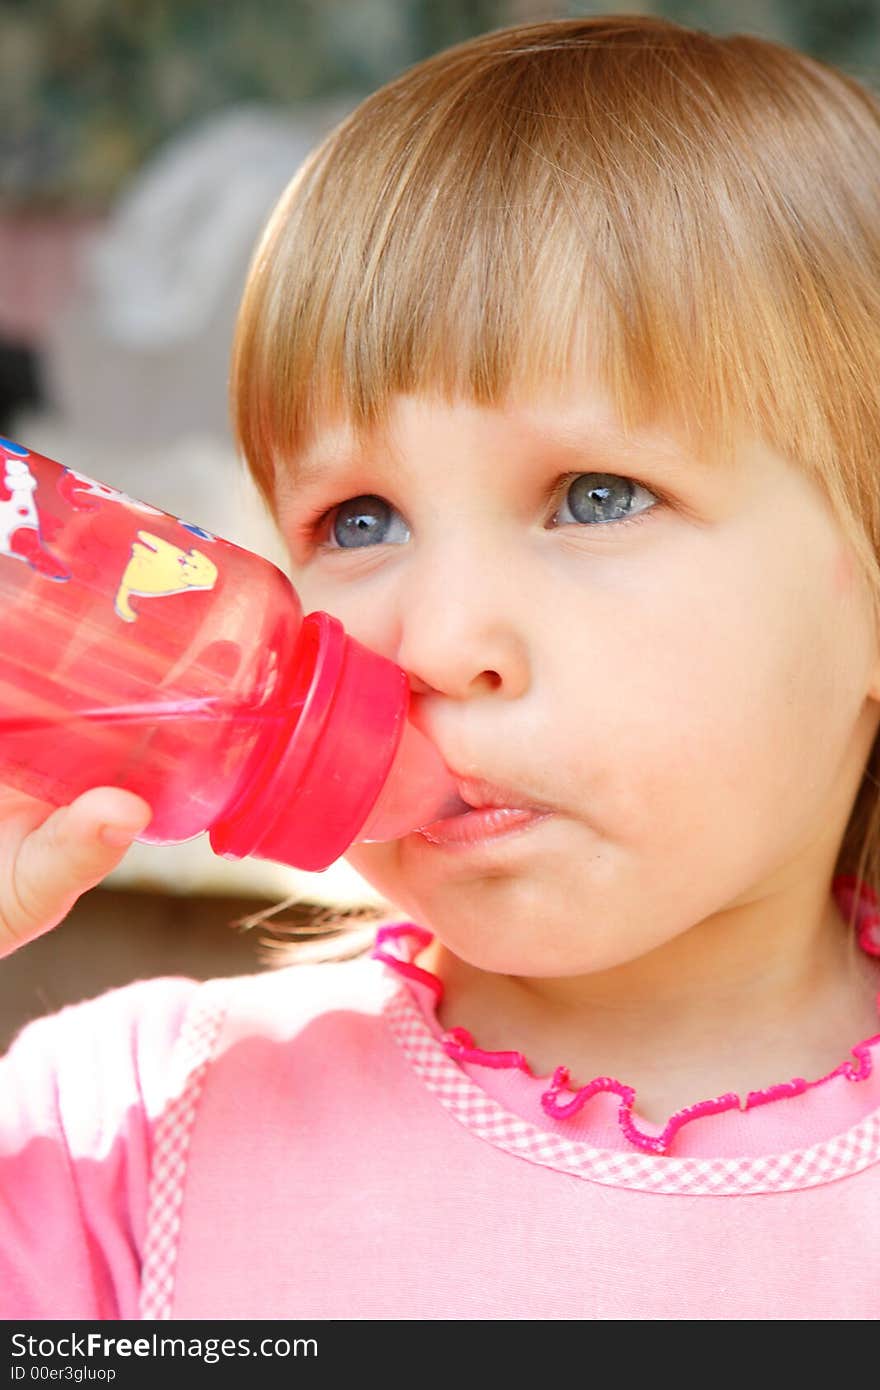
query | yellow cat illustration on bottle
(157,567)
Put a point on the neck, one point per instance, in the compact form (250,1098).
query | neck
(740,1002)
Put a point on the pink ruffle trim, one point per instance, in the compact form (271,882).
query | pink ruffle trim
(459,1044)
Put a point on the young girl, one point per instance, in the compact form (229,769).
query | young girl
(557,367)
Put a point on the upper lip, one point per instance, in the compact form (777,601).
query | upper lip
(479,794)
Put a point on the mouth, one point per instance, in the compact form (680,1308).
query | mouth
(488,812)
(480,796)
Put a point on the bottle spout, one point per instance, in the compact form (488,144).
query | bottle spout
(418,790)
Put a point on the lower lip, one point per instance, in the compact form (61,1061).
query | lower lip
(479,827)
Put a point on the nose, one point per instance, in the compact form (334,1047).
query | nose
(462,632)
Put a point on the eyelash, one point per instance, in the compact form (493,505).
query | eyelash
(313,522)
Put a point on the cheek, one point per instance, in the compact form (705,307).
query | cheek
(635,687)
(366,609)
(708,704)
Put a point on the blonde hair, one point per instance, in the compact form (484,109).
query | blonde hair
(692,219)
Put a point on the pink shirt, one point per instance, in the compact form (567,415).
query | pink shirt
(301,1144)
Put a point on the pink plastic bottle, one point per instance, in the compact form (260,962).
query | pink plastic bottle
(143,652)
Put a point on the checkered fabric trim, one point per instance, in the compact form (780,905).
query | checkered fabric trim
(835,1158)
(193,1053)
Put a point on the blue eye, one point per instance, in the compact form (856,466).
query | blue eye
(363,521)
(592,499)
(600,498)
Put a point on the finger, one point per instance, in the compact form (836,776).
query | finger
(71,851)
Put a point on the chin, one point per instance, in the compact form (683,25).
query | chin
(509,946)
(503,924)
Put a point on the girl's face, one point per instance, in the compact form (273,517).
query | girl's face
(675,655)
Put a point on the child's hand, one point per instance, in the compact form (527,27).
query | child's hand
(50,856)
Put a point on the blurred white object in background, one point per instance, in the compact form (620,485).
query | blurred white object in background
(142,349)
(136,370)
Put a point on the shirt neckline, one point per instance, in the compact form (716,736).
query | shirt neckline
(464,1064)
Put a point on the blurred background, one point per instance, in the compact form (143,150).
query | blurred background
(142,145)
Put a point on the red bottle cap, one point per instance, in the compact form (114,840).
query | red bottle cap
(311,806)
